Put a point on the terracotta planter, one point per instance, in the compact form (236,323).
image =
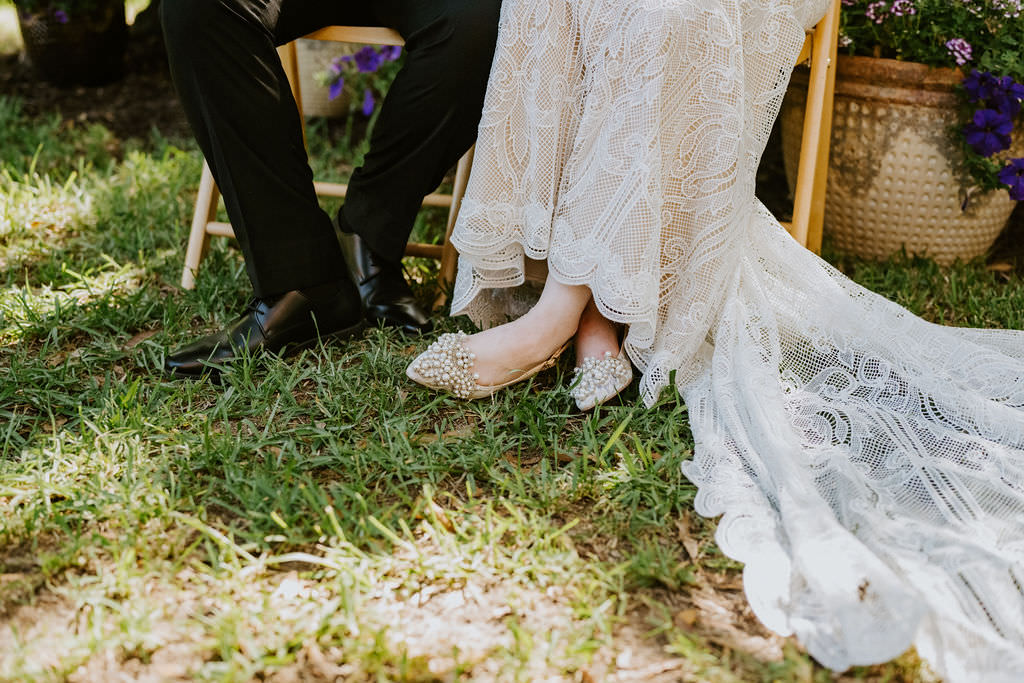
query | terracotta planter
(892,182)
(86,48)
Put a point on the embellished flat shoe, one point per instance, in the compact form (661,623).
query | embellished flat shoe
(448,365)
(597,380)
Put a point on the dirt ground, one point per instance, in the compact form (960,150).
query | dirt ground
(144,99)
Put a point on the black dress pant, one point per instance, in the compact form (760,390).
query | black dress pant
(238,101)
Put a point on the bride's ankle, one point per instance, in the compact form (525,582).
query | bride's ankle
(596,335)
(541,330)
(504,352)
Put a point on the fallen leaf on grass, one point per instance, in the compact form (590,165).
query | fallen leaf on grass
(513,458)
(139,338)
(441,515)
(432,437)
(685,619)
(691,544)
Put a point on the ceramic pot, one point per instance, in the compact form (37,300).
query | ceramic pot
(892,180)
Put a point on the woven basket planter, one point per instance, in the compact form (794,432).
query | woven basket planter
(87,48)
(315,56)
(891,177)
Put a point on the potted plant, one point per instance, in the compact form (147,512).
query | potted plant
(927,137)
(74,42)
(314,58)
(358,80)
(366,72)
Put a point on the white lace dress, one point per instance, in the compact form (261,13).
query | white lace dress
(867,464)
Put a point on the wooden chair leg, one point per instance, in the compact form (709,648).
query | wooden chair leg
(205,211)
(449,257)
(809,197)
(827,38)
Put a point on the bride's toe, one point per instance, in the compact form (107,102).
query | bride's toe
(446,365)
(597,380)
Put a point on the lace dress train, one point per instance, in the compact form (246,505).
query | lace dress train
(868,466)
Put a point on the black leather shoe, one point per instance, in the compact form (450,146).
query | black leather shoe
(382,286)
(286,323)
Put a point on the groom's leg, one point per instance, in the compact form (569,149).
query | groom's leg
(429,116)
(237,98)
(239,103)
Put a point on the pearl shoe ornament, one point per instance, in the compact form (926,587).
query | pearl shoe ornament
(598,379)
(448,365)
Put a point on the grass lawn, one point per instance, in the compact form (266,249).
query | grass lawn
(322,518)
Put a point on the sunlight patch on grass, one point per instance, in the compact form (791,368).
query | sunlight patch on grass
(25,306)
(37,214)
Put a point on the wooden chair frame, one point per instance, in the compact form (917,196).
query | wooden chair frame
(812,173)
(204,221)
(808,201)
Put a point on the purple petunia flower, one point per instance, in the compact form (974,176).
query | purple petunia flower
(1002,94)
(960,50)
(61,16)
(369,103)
(390,53)
(980,85)
(1012,175)
(989,132)
(1014,90)
(367,59)
(1004,103)
(334,91)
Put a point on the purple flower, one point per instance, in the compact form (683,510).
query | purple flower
(989,132)
(876,12)
(960,50)
(980,85)
(902,8)
(1009,98)
(61,16)
(1012,175)
(369,103)
(390,53)
(334,91)
(1011,8)
(1015,90)
(1004,103)
(1002,94)
(367,59)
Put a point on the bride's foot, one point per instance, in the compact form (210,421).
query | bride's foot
(602,368)
(595,335)
(472,366)
(451,364)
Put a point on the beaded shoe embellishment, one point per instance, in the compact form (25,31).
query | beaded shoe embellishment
(598,379)
(446,364)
